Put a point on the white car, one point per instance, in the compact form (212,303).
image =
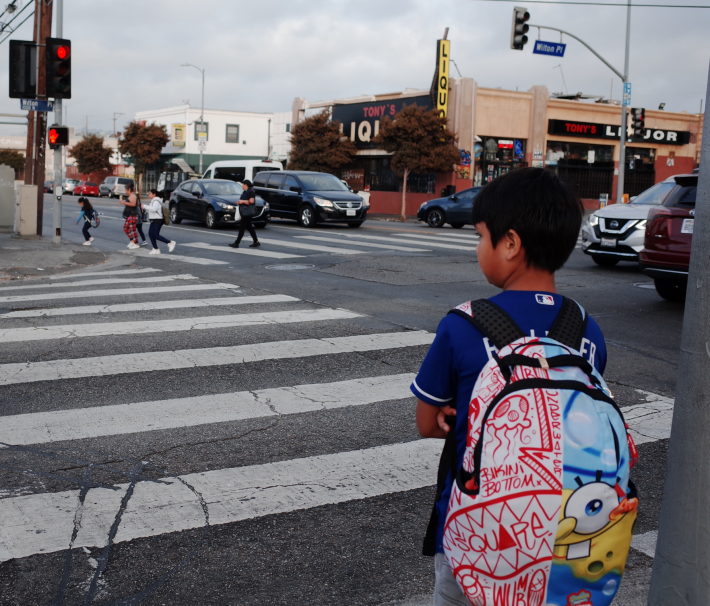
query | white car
(615,233)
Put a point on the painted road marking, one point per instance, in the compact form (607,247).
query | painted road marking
(126,281)
(117,292)
(312,247)
(367,244)
(82,423)
(31,372)
(43,523)
(117,272)
(97,329)
(171,257)
(433,244)
(650,421)
(254,252)
(646,543)
(121,307)
(438,238)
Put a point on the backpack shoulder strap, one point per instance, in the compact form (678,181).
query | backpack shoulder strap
(570,325)
(495,323)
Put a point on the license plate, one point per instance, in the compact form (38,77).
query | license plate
(687,226)
(608,242)
(350,213)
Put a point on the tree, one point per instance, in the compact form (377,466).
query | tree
(141,145)
(318,144)
(420,143)
(11,158)
(91,155)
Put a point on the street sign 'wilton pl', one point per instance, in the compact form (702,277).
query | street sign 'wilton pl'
(556,49)
(36,105)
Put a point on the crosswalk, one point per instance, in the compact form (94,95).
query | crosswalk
(218,363)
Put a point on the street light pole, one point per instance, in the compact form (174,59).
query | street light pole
(202,111)
(624,98)
(115,115)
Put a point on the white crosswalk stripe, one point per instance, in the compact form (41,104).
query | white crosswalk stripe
(249,252)
(311,247)
(173,257)
(438,238)
(147,306)
(117,292)
(118,272)
(124,281)
(366,244)
(431,243)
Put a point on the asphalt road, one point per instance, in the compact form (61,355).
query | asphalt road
(262,448)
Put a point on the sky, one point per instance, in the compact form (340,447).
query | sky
(259,56)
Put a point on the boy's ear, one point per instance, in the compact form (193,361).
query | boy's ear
(513,245)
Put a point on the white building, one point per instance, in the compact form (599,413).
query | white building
(229,135)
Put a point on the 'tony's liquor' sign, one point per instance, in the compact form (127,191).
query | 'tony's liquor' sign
(591,130)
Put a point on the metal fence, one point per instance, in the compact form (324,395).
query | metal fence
(587,182)
(637,181)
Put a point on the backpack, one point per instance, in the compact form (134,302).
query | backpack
(166,215)
(542,509)
(95,221)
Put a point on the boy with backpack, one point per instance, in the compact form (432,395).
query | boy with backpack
(534,505)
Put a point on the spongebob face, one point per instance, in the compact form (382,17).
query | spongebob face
(594,532)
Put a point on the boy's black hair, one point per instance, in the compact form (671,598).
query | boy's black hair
(544,212)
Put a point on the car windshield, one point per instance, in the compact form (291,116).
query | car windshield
(655,195)
(222,189)
(322,183)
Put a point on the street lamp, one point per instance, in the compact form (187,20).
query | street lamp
(202,112)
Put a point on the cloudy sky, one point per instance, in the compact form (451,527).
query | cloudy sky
(258,56)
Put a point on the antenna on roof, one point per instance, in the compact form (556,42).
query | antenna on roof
(446,33)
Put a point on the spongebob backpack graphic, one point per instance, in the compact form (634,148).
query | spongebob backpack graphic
(542,510)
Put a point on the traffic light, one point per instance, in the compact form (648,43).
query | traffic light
(638,122)
(58,136)
(518,39)
(23,57)
(58,68)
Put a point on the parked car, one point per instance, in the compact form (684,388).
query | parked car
(48,187)
(615,233)
(310,198)
(454,210)
(669,233)
(212,202)
(113,187)
(69,185)
(86,188)
(239,170)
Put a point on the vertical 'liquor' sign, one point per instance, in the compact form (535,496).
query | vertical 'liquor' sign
(442,84)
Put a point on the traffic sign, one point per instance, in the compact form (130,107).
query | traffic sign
(202,145)
(627,94)
(36,105)
(555,49)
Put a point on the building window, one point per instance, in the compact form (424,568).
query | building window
(288,127)
(495,156)
(232,133)
(202,127)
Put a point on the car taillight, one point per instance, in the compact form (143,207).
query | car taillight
(657,226)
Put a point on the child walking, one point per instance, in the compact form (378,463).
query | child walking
(528,221)
(155,216)
(87,214)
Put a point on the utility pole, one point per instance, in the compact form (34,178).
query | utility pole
(680,567)
(202,112)
(115,115)
(625,102)
(59,152)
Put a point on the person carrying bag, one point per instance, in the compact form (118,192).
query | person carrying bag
(247,211)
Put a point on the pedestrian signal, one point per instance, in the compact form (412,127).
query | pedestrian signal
(518,39)
(638,122)
(58,68)
(58,136)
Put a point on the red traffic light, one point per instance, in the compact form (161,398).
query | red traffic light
(63,52)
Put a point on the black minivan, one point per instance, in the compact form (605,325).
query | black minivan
(310,197)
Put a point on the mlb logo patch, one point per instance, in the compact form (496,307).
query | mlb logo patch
(545,299)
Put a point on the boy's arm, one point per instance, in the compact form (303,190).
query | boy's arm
(431,420)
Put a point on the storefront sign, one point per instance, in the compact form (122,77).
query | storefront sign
(556,49)
(361,121)
(590,130)
(442,61)
(178,135)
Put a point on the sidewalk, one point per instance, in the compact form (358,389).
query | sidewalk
(24,257)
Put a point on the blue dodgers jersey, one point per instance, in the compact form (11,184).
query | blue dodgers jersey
(459,353)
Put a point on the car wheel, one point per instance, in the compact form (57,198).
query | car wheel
(174,216)
(435,218)
(670,291)
(210,219)
(306,216)
(457,225)
(354,225)
(603,261)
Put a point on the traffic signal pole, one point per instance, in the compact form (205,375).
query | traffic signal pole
(681,564)
(59,151)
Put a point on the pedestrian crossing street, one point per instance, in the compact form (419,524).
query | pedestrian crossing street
(69,415)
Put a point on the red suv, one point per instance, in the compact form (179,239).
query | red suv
(669,233)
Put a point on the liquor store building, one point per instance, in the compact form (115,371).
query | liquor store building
(500,130)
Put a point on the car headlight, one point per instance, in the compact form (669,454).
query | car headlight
(323,202)
(593,220)
(423,204)
(641,225)
(225,206)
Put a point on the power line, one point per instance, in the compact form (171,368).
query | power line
(601,3)
(18,25)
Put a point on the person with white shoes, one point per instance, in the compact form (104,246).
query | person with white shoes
(87,214)
(130,215)
(155,216)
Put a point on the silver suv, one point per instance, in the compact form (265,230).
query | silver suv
(113,187)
